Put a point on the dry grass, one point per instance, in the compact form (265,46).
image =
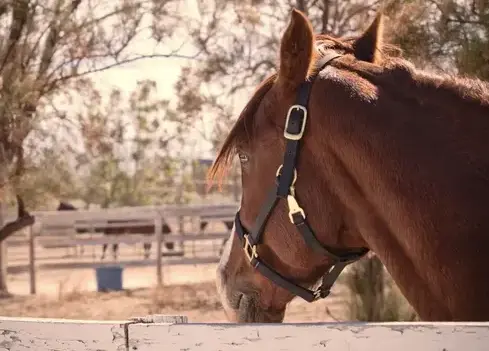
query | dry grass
(199,302)
(76,304)
(190,290)
(365,292)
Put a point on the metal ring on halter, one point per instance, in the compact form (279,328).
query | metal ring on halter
(295,174)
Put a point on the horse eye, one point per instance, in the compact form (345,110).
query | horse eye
(243,158)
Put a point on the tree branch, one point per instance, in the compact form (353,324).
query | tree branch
(19,18)
(467,21)
(348,17)
(53,37)
(23,220)
(325,16)
(116,64)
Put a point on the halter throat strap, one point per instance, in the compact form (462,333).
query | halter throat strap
(285,189)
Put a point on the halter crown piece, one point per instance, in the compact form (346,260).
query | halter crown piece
(285,188)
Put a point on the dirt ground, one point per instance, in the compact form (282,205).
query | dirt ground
(188,290)
(198,301)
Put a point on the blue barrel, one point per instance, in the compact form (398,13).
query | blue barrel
(109,278)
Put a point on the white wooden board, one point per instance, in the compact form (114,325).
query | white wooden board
(150,334)
(34,334)
(310,337)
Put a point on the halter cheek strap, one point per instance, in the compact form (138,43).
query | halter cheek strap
(285,189)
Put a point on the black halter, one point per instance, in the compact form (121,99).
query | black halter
(285,188)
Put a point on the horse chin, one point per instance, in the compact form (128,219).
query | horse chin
(245,308)
(250,311)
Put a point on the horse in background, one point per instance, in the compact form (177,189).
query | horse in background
(121,230)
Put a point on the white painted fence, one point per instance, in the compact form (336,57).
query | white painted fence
(170,333)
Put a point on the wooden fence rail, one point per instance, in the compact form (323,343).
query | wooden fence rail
(67,222)
(175,333)
(131,239)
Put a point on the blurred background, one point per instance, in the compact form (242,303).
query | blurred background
(107,106)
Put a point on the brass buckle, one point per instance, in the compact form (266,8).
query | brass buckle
(250,250)
(279,169)
(294,208)
(298,136)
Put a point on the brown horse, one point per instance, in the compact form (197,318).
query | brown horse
(390,159)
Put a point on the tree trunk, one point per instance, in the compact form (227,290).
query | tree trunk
(301,5)
(3,253)
(24,219)
(325,17)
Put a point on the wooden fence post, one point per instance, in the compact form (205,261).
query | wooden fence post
(32,260)
(159,237)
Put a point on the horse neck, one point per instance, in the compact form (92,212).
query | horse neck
(406,172)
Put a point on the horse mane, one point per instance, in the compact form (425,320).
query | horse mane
(452,94)
(392,71)
(400,75)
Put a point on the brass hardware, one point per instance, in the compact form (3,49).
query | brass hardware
(288,135)
(250,250)
(294,208)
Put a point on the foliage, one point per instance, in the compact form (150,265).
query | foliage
(42,185)
(46,46)
(125,147)
(447,35)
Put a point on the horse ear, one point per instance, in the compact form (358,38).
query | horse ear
(296,51)
(368,46)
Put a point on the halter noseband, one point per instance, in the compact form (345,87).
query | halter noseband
(285,188)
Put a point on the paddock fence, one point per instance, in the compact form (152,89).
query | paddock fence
(61,229)
(175,333)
